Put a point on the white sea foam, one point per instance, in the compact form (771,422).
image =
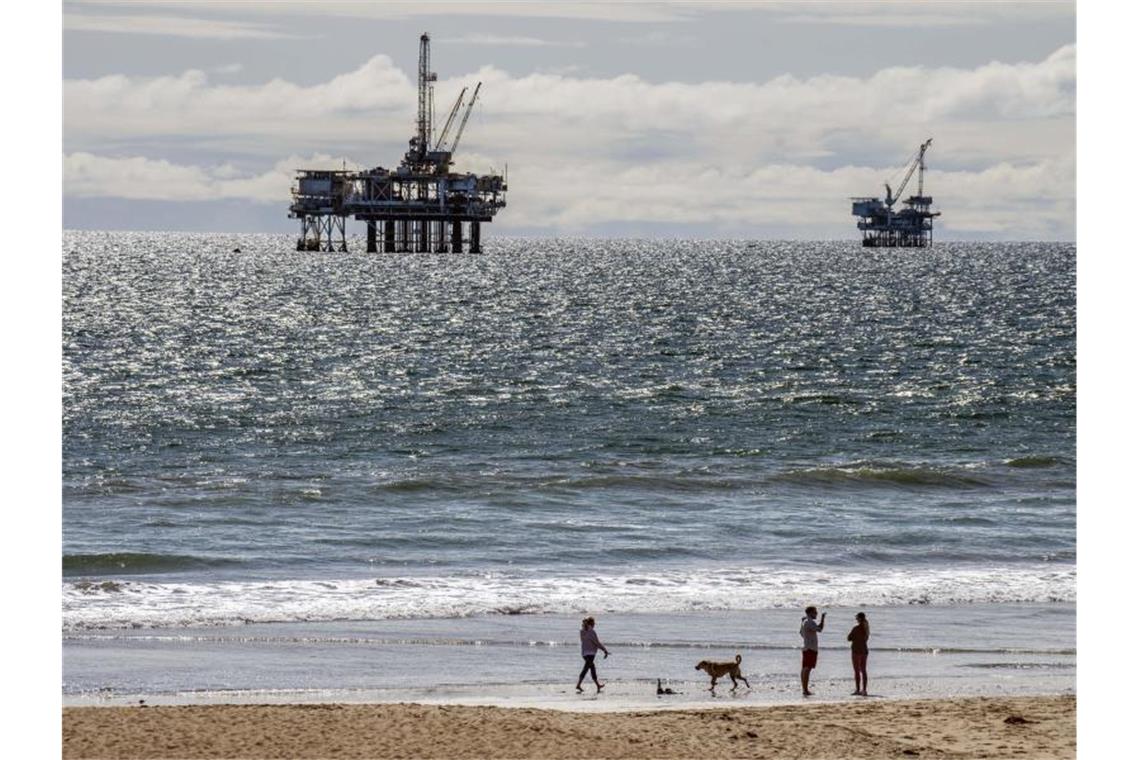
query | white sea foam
(142,604)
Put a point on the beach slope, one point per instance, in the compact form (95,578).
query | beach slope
(983,727)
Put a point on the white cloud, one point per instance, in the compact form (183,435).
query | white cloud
(189,104)
(585,150)
(86,175)
(170,26)
(1027,202)
(775,115)
(1002,198)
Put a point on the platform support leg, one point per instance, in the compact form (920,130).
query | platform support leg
(389,236)
(337,226)
(476,246)
(457,236)
(440,236)
(325,236)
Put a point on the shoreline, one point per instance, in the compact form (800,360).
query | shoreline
(619,696)
(533,660)
(994,727)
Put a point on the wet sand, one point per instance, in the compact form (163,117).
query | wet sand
(1042,728)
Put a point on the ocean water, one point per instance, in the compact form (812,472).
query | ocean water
(271,437)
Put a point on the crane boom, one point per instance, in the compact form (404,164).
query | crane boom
(466,114)
(450,118)
(918,162)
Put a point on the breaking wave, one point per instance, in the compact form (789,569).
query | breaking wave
(134,604)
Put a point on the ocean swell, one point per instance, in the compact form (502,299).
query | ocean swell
(128,563)
(880,475)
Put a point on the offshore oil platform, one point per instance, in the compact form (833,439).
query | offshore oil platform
(913,226)
(421,205)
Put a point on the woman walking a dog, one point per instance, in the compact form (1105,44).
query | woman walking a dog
(858,638)
(590,647)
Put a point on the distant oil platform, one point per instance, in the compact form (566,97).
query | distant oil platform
(913,226)
(421,205)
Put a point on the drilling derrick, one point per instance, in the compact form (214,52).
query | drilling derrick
(421,205)
(419,145)
(913,226)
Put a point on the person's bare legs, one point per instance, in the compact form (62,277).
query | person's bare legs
(859,664)
(804,673)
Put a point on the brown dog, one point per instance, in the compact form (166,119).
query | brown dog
(722,669)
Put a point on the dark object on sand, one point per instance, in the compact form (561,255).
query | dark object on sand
(237,250)
(661,691)
(1017,720)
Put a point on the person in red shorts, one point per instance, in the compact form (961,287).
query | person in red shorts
(809,630)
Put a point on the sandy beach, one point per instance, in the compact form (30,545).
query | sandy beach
(983,727)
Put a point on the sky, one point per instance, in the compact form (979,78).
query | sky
(637,119)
